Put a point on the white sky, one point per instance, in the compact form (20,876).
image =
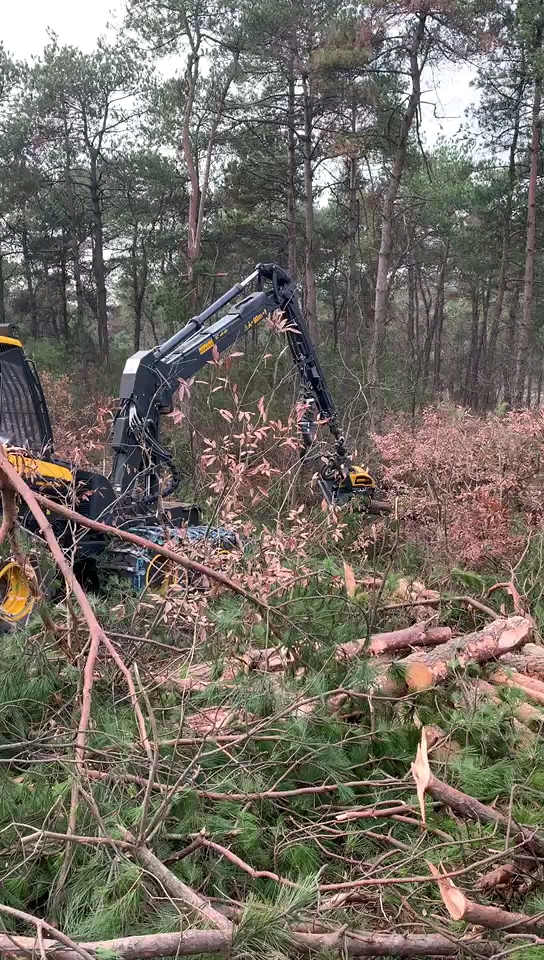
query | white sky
(23,25)
(23,29)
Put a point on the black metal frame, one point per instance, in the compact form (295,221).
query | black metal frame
(151,378)
(34,403)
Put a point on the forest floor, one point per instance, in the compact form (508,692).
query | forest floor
(353,765)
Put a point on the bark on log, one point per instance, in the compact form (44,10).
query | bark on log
(472,809)
(502,876)
(357,943)
(424,669)
(523,712)
(532,688)
(531,665)
(418,635)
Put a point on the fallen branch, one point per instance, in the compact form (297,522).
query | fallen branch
(351,943)
(39,835)
(114,777)
(9,515)
(176,888)
(509,587)
(10,478)
(438,601)
(77,950)
(297,792)
(179,558)
(341,885)
(245,867)
(460,907)
(374,813)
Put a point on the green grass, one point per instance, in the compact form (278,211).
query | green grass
(106,894)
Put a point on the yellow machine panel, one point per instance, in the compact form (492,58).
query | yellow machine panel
(361,478)
(40,469)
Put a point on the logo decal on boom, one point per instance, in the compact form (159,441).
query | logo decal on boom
(255,320)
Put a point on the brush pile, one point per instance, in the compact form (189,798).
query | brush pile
(348,766)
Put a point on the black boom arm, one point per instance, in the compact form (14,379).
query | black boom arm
(151,378)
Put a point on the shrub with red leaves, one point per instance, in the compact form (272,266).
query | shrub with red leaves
(470,489)
(81,433)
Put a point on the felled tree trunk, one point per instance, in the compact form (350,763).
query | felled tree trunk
(526,663)
(419,635)
(423,669)
(357,943)
(531,687)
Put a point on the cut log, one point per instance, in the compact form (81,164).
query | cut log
(199,676)
(418,635)
(460,907)
(526,714)
(424,669)
(516,878)
(466,806)
(532,688)
(503,876)
(530,664)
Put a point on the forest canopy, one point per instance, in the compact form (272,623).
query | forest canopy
(139,181)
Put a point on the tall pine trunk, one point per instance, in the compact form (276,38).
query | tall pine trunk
(71,209)
(291,172)
(437,318)
(503,271)
(481,352)
(439,327)
(352,176)
(199,189)
(377,347)
(99,268)
(527,316)
(529,400)
(310,286)
(411,332)
(139,283)
(473,349)
(191,79)
(353,211)
(27,266)
(509,365)
(63,283)
(2,291)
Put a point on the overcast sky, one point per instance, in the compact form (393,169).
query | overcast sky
(24,24)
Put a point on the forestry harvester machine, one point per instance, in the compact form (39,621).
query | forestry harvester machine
(136,496)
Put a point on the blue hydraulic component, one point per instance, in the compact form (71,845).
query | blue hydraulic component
(132,563)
